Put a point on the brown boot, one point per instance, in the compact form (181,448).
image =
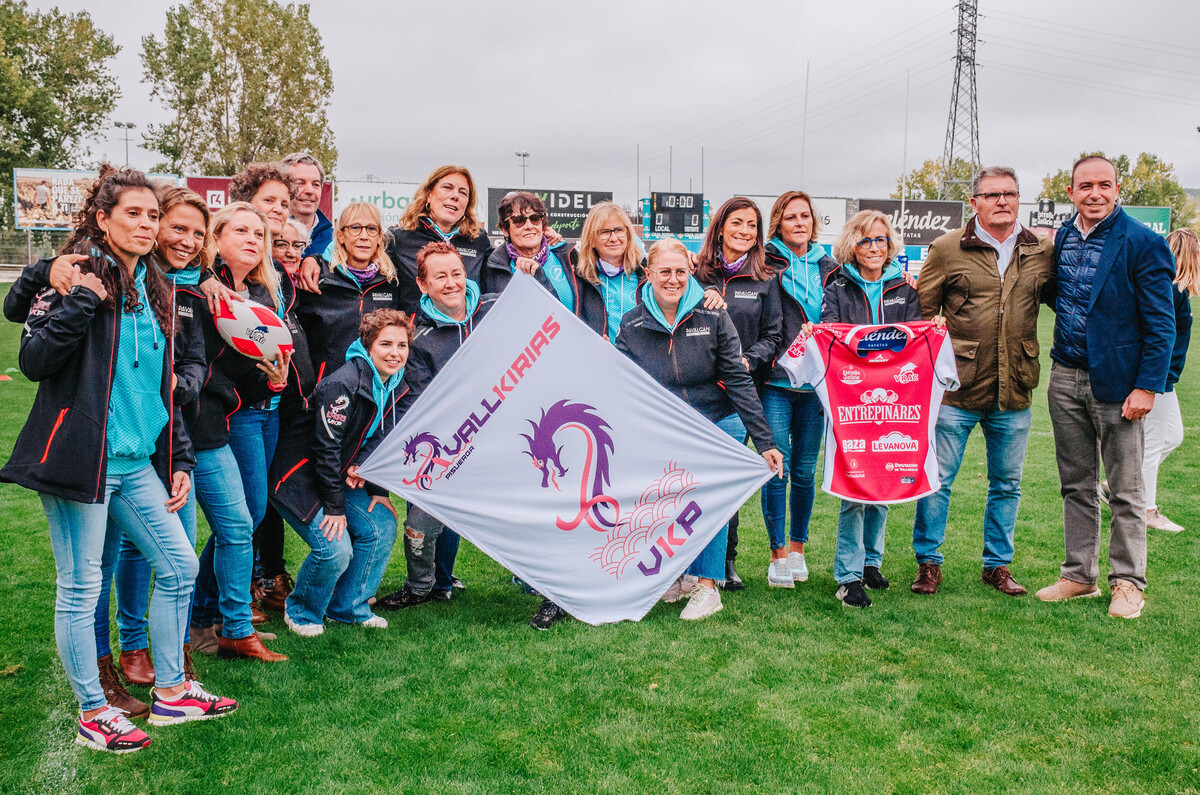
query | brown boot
(204,640)
(137,667)
(189,673)
(257,617)
(1002,580)
(249,646)
(116,693)
(929,577)
(277,596)
(257,592)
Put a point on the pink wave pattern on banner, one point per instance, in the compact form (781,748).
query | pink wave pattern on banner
(651,517)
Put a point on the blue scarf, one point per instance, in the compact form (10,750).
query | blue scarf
(445,236)
(874,290)
(692,297)
(190,276)
(802,277)
(619,291)
(381,390)
(430,309)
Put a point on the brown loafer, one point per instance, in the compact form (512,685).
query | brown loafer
(257,617)
(249,646)
(116,693)
(137,667)
(929,577)
(1002,580)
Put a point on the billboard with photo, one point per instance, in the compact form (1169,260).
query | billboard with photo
(48,198)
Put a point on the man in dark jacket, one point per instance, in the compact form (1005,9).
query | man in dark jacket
(987,280)
(1113,337)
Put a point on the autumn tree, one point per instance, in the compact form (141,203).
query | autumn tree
(245,81)
(56,90)
(925,181)
(1147,182)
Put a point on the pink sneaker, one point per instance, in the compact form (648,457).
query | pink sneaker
(111,731)
(195,703)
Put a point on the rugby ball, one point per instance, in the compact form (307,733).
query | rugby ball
(252,329)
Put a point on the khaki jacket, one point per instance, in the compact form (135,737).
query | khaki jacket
(992,322)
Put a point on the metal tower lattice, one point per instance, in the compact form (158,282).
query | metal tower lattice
(962,128)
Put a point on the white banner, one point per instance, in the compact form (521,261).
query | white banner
(565,462)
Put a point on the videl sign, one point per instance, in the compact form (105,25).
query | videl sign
(567,208)
(564,462)
(391,198)
(46,198)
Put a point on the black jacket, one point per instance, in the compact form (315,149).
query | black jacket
(407,243)
(701,362)
(756,312)
(70,346)
(317,446)
(845,301)
(435,341)
(497,272)
(793,313)
(589,301)
(331,319)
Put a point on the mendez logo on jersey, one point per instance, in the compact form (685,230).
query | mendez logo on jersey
(897,375)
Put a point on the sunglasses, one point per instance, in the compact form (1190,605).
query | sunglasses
(520,220)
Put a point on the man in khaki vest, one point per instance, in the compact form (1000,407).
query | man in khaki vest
(987,279)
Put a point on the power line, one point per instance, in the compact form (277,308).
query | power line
(1156,96)
(1077,32)
(1085,58)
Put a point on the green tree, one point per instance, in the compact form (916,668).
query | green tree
(246,81)
(1149,181)
(56,90)
(925,181)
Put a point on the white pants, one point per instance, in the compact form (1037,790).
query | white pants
(1164,432)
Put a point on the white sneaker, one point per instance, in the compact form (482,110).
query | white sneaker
(798,566)
(680,588)
(303,630)
(1157,521)
(705,600)
(779,574)
(375,622)
(1102,489)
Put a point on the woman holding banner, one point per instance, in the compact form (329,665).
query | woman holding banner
(695,353)
(801,267)
(733,263)
(869,288)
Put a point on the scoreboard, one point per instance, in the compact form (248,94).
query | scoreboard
(677,213)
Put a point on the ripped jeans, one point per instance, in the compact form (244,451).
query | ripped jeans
(421,534)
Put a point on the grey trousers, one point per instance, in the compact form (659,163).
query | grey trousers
(421,532)
(1087,431)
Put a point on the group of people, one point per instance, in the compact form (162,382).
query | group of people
(143,411)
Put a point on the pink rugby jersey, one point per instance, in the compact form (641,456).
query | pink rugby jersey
(881,387)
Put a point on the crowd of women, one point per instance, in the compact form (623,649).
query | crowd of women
(143,412)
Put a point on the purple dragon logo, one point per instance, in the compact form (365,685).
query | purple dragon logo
(431,457)
(545,453)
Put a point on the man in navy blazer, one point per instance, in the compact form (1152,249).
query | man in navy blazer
(1113,335)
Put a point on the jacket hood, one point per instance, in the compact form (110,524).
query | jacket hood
(380,390)
(890,271)
(433,313)
(692,296)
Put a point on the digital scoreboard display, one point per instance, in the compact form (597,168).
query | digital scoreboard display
(677,213)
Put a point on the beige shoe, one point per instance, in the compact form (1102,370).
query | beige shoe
(1156,521)
(1126,601)
(1066,589)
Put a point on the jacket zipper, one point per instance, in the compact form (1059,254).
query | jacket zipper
(290,472)
(101,471)
(58,422)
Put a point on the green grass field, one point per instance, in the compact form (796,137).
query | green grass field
(784,691)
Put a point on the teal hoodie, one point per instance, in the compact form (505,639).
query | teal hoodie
(431,310)
(692,297)
(802,279)
(380,390)
(874,290)
(136,414)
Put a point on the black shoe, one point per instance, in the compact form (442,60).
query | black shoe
(439,595)
(853,595)
(549,615)
(873,579)
(398,600)
(732,581)
(457,583)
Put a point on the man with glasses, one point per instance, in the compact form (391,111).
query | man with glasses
(987,280)
(1114,331)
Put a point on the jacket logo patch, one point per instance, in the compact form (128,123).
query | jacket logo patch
(745,294)
(381,296)
(184,311)
(893,301)
(468,252)
(703,331)
(335,412)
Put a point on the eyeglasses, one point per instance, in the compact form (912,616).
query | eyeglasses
(520,220)
(617,231)
(357,229)
(867,242)
(1008,195)
(672,273)
(298,245)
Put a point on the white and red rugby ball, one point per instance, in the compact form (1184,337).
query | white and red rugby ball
(252,329)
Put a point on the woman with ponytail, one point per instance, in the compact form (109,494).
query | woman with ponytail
(104,442)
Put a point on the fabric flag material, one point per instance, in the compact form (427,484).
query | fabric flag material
(565,462)
(881,387)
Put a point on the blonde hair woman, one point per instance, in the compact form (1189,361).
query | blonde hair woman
(608,263)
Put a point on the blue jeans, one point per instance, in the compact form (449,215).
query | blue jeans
(1005,433)
(859,540)
(223,587)
(252,437)
(710,562)
(79,536)
(443,559)
(133,575)
(339,575)
(798,425)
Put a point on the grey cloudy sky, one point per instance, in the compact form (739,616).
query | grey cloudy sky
(581,85)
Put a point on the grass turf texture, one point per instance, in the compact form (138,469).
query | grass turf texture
(785,690)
